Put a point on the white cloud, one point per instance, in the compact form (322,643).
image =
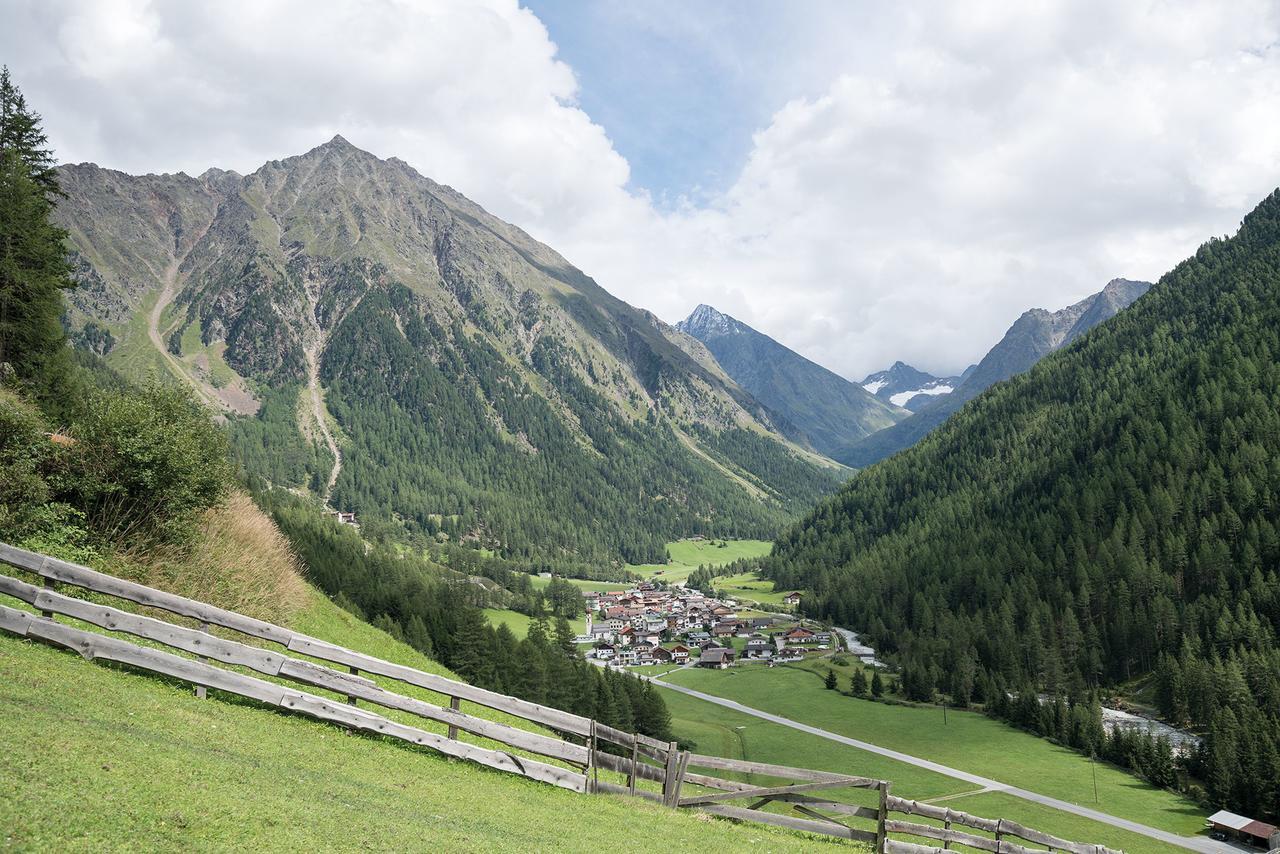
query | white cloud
(927,175)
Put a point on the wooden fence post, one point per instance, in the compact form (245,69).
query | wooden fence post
(681,767)
(201,691)
(946,825)
(882,816)
(999,832)
(455,703)
(670,795)
(592,771)
(635,760)
(355,671)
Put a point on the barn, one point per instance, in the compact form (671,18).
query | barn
(1245,829)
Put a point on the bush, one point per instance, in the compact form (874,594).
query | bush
(145,463)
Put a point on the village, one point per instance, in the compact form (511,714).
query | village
(651,624)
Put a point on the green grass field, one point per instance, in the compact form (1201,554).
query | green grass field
(104,758)
(583,584)
(968,741)
(687,555)
(724,732)
(749,586)
(519,623)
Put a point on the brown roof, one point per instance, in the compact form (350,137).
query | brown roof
(1260,829)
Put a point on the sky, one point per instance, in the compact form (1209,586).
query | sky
(864,181)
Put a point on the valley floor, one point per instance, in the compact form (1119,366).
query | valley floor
(785,714)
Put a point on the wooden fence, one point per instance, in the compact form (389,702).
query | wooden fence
(645,767)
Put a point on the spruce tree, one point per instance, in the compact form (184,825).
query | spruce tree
(877,684)
(858,683)
(830,681)
(33,260)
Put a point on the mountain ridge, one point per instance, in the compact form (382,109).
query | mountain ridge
(903,385)
(1036,333)
(827,408)
(354,283)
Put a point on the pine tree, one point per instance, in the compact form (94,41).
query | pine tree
(858,683)
(33,262)
(830,680)
(877,684)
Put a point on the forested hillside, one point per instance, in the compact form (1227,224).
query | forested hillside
(1109,514)
(381,340)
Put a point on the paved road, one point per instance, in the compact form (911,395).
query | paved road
(1192,843)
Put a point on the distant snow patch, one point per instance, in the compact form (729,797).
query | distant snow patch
(873,387)
(902,397)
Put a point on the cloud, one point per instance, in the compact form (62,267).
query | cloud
(924,176)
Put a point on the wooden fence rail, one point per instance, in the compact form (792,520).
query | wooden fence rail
(576,741)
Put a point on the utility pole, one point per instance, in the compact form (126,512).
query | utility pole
(1093,766)
(944,712)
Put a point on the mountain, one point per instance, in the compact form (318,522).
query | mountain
(1033,335)
(1109,514)
(912,389)
(382,340)
(828,409)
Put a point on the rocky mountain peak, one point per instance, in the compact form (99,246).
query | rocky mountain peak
(705,320)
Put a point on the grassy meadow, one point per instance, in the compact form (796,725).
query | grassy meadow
(519,623)
(687,555)
(106,758)
(968,741)
(583,584)
(749,586)
(725,732)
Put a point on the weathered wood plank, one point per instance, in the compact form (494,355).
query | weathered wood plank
(366,721)
(829,806)
(643,744)
(555,718)
(882,815)
(95,646)
(670,796)
(957,837)
(1049,841)
(14,621)
(179,637)
(789,821)
(717,782)
(813,814)
(82,576)
(364,689)
(783,771)
(893,846)
(274,664)
(100,582)
(938,813)
(758,792)
(623,765)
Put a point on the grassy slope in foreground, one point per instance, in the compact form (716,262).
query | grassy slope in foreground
(724,732)
(103,758)
(969,741)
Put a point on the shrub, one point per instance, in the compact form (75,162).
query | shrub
(145,463)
